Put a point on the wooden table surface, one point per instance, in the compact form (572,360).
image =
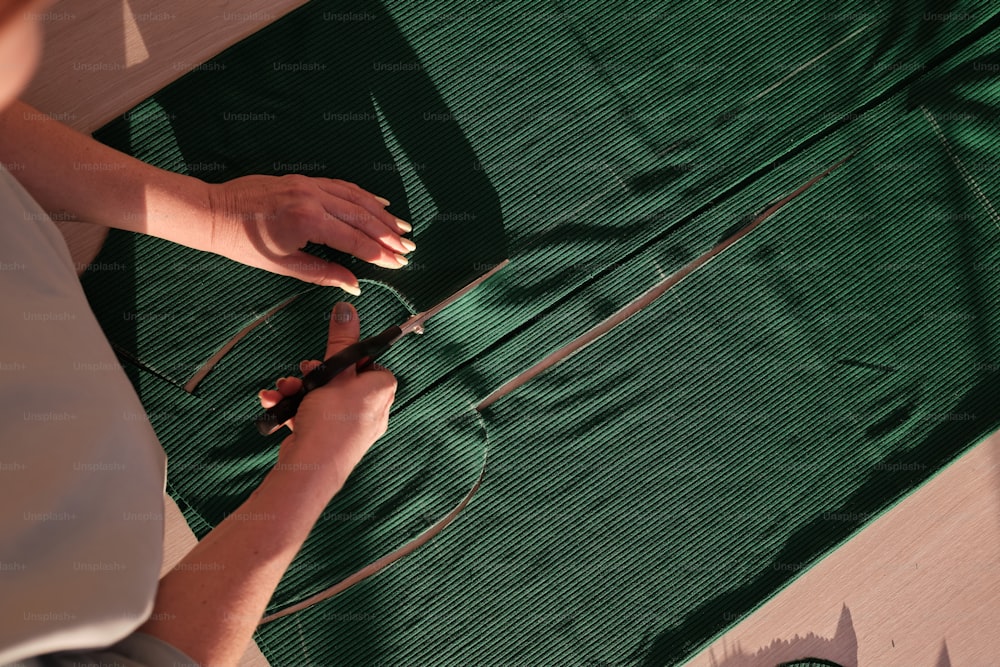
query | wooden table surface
(920,586)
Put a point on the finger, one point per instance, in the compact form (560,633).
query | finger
(344,329)
(354,242)
(349,213)
(373,203)
(306,367)
(269,398)
(289,386)
(312,269)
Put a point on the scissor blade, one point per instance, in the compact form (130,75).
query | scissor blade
(416,322)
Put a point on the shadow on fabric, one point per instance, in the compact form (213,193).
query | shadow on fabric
(321,92)
(325,95)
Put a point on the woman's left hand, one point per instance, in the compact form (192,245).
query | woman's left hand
(264,221)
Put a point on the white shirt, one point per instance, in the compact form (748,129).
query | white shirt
(82,474)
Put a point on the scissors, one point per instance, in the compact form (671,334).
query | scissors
(360,354)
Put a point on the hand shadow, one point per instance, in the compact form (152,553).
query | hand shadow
(840,650)
(811,650)
(300,96)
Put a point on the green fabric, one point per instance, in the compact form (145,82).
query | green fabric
(664,482)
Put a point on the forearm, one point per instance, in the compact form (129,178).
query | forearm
(74,177)
(210,604)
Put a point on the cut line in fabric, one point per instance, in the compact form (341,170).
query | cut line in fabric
(969,180)
(210,363)
(390,558)
(655,292)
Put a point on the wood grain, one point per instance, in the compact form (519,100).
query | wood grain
(918,587)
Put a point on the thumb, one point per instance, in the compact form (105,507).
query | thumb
(312,269)
(344,328)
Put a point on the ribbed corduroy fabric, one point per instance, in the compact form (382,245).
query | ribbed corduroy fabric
(659,485)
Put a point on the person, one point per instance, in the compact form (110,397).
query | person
(81,487)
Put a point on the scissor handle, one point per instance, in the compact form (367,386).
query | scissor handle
(360,354)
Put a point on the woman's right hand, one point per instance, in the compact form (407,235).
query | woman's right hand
(337,423)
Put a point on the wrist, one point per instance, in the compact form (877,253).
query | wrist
(295,497)
(227,217)
(307,474)
(178,209)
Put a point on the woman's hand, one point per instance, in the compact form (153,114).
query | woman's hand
(263,221)
(338,422)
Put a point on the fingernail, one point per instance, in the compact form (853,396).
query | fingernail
(382,200)
(408,244)
(281,382)
(402,260)
(405,226)
(342,312)
(354,290)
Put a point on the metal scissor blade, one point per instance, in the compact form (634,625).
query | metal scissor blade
(416,323)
